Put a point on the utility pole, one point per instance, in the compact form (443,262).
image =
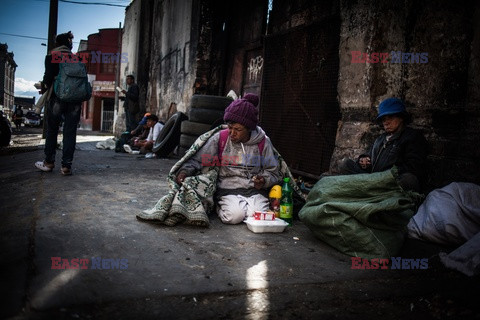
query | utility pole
(117,75)
(52,25)
(52,32)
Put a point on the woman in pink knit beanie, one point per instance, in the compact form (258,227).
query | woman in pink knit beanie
(247,161)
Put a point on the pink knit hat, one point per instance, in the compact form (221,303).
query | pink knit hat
(243,111)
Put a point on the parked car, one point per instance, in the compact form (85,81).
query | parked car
(32,119)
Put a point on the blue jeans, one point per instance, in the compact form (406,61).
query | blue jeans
(70,114)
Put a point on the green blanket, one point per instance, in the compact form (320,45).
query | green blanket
(191,202)
(363,215)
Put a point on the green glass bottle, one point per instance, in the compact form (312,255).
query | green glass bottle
(286,203)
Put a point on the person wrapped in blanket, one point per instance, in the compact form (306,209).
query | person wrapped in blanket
(248,166)
(400,146)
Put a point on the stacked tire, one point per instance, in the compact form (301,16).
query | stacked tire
(206,113)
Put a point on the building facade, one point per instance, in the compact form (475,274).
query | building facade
(7,78)
(27,103)
(319,93)
(102,55)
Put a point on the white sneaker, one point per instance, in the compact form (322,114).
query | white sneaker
(150,155)
(127,148)
(46,167)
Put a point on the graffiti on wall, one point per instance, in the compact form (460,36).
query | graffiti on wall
(254,68)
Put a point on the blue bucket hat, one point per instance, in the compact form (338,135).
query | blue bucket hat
(391,106)
(144,119)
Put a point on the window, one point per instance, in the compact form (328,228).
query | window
(107,67)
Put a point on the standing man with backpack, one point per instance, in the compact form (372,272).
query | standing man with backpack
(65,83)
(131,105)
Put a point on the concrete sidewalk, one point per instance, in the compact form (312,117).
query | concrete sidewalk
(184,272)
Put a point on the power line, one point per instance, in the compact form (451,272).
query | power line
(38,38)
(22,36)
(91,3)
(94,3)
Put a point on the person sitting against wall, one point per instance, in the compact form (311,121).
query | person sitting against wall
(248,165)
(155,126)
(130,140)
(400,146)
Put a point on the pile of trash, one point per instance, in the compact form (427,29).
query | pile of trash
(108,144)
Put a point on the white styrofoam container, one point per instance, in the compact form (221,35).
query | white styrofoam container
(260,226)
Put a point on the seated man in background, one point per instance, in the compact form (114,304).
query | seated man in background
(130,140)
(155,128)
(399,145)
(127,139)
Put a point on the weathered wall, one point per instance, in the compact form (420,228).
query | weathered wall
(186,50)
(442,94)
(145,54)
(194,45)
(245,27)
(130,45)
(171,75)
(229,31)
(136,44)
(204,82)
(289,14)
(299,107)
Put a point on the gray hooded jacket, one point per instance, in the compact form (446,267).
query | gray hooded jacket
(239,163)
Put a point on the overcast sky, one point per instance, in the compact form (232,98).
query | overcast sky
(21,19)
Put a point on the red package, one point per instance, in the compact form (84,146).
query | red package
(259,215)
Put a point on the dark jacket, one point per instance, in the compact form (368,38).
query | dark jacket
(52,68)
(131,99)
(407,150)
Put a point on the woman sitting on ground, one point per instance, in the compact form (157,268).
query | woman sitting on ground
(248,166)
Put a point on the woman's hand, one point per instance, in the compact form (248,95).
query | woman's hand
(364,162)
(258,182)
(180,177)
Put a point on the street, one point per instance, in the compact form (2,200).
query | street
(142,270)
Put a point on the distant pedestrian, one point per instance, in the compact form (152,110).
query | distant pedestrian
(18,117)
(57,110)
(131,104)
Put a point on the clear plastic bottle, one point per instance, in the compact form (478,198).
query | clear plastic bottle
(286,203)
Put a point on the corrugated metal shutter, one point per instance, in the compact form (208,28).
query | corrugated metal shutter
(299,108)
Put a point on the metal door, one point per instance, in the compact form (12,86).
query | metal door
(107,115)
(299,107)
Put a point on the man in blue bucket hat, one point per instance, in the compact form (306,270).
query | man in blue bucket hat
(391,106)
(399,145)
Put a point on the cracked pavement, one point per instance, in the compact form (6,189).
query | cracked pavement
(223,271)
